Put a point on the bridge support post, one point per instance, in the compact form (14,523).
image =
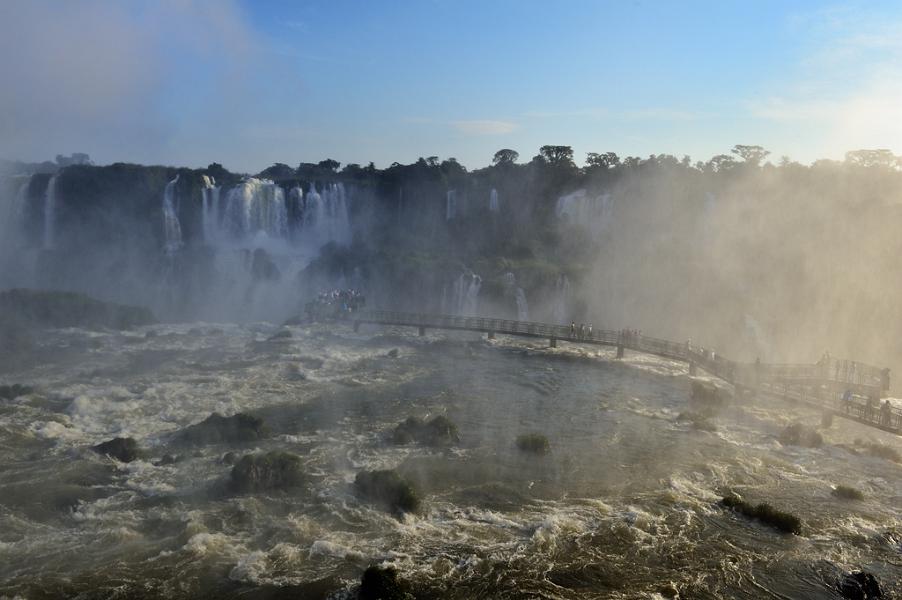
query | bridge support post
(422,331)
(491,335)
(552,343)
(693,369)
(356,326)
(619,350)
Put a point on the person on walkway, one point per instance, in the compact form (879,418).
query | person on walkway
(589,330)
(885,413)
(869,409)
(847,401)
(572,329)
(582,330)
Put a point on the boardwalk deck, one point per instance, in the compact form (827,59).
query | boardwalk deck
(821,385)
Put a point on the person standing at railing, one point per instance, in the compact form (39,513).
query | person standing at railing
(847,401)
(572,329)
(589,331)
(885,413)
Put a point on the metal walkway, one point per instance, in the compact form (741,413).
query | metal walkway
(822,385)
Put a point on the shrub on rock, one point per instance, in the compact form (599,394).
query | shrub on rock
(765,513)
(697,420)
(846,492)
(122,449)
(266,472)
(801,435)
(387,488)
(439,431)
(534,443)
(382,583)
(215,429)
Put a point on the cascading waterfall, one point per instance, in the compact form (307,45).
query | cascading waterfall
(255,207)
(210,208)
(50,214)
(562,296)
(592,212)
(464,298)
(450,205)
(12,214)
(494,204)
(510,282)
(172,229)
(324,216)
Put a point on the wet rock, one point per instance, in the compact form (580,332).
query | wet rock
(765,513)
(388,489)
(860,585)
(882,451)
(122,449)
(534,443)
(282,334)
(382,583)
(263,268)
(801,435)
(217,429)
(293,321)
(168,459)
(11,392)
(267,472)
(439,431)
(706,398)
(229,458)
(393,353)
(311,362)
(43,308)
(150,335)
(294,373)
(697,420)
(846,492)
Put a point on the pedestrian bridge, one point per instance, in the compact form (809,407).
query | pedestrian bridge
(821,385)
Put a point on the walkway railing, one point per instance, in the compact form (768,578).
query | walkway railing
(824,383)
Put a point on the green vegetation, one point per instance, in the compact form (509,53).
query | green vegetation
(217,429)
(388,489)
(439,431)
(767,514)
(267,472)
(846,492)
(534,443)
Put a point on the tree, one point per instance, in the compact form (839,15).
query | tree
(882,158)
(608,160)
(277,171)
(721,162)
(505,156)
(432,161)
(752,155)
(329,164)
(557,155)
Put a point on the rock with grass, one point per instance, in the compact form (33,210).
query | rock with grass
(439,431)
(797,434)
(45,308)
(217,429)
(267,472)
(882,451)
(281,335)
(122,449)
(11,392)
(845,492)
(767,514)
(706,399)
(382,583)
(533,443)
(387,489)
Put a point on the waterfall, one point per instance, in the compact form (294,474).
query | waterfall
(254,207)
(324,215)
(210,208)
(465,294)
(50,214)
(450,205)
(494,205)
(562,300)
(512,289)
(172,229)
(592,212)
(9,227)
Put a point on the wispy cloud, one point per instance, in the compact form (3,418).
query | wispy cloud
(485,127)
(652,113)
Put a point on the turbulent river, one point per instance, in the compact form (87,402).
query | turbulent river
(625,505)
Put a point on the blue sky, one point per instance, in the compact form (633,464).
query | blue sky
(250,83)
